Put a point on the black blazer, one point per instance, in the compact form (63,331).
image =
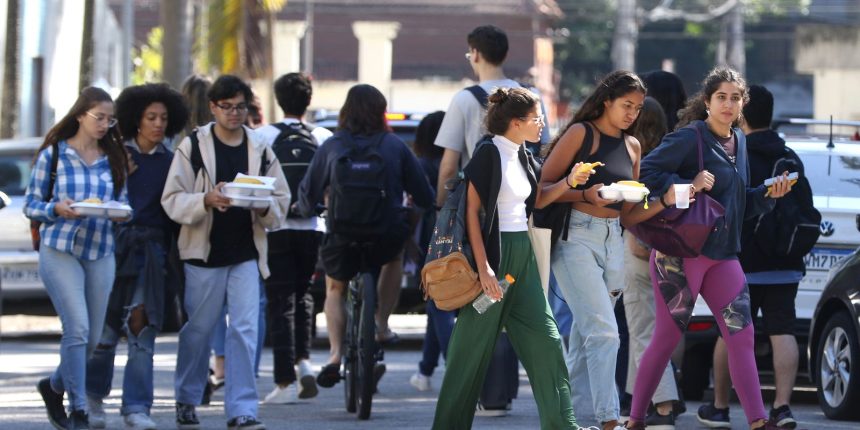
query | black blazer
(484,171)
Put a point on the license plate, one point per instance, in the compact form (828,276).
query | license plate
(822,259)
(13,276)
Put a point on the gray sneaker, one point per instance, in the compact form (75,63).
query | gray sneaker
(138,421)
(98,419)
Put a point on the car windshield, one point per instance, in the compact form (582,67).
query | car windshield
(14,173)
(834,176)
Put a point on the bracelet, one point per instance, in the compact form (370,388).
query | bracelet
(663,202)
(567,181)
(585,198)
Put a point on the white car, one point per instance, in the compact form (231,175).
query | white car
(833,170)
(19,264)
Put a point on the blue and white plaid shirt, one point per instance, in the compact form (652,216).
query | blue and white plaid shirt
(86,238)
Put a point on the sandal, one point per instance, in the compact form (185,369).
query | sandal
(387,338)
(329,375)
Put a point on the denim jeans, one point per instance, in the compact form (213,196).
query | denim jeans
(440,324)
(79,290)
(206,290)
(137,381)
(219,335)
(589,268)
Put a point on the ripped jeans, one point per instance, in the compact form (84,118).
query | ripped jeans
(589,268)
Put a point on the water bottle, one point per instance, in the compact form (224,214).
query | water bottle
(483,302)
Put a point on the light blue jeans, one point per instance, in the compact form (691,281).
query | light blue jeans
(589,268)
(206,290)
(220,333)
(79,290)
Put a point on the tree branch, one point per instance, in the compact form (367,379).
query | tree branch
(664,12)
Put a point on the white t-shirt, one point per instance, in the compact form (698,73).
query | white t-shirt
(463,125)
(515,187)
(269,133)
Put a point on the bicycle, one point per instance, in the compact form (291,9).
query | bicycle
(361,351)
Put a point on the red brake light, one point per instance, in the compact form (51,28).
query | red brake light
(700,326)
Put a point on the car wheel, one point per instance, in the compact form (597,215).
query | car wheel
(838,367)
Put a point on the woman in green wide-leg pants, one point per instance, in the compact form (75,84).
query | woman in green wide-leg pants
(526,316)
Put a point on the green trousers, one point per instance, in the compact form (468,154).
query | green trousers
(526,316)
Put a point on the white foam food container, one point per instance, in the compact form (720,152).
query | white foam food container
(250,202)
(110,209)
(233,189)
(628,193)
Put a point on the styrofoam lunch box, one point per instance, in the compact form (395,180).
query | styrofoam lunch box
(234,189)
(628,193)
(250,202)
(111,209)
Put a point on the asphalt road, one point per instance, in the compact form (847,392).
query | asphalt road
(25,359)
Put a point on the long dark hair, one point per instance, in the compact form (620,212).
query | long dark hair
(651,125)
(696,109)
(426,134)
(668,90)
(110,143)
(611,87)
(363,112)
(194,91)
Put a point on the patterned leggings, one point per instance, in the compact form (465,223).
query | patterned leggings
(677,283)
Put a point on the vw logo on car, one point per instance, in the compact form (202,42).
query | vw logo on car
(826,228)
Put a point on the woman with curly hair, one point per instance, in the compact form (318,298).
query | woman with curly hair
(148,116)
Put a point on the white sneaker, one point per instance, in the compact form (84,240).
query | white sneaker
(307,380)
(420,382)
(96,407)
(282,396)
(139,421)
(480,411)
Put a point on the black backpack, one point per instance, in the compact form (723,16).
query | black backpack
(792,228)
(196,158)
(358,200)
(295,147)
(556,216)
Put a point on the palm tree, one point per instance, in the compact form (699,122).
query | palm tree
(9,115)
(87,46)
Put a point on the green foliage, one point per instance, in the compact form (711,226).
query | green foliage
(582,51)
(148,59)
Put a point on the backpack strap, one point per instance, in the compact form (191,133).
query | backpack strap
(264,162)
(589,140)
(52,175)
(480,95)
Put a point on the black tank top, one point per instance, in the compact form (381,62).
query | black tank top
(618,165)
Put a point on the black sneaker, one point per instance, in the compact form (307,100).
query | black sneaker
(53,404)
(78,420)
(186,417)
(782,417)
(712,417)
(624,407)
(656,421)
(329,375)
(245,422)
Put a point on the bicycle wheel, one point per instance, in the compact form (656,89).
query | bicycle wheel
(350,346)
(367,346)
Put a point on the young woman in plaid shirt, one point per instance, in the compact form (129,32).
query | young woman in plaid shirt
(76,256)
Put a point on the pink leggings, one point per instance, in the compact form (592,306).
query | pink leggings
(720,282)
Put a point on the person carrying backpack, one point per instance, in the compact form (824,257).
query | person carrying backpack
(294,247)
(364,169)
(773,272)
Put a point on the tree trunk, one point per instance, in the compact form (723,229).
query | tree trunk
(9,107)
(625,37)
(736,56)
(176,44)
(86,72)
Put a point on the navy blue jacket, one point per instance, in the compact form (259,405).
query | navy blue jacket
(676,160)
(403,170)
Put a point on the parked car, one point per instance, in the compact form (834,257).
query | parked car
(19,264)
(834,341)
(833,169)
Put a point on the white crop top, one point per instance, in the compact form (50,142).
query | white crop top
(515,188)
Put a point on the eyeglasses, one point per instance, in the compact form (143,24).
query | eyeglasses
(535,119)
(111,121)
(227,108)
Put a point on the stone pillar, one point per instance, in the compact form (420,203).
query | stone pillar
(286,48)
(375,53)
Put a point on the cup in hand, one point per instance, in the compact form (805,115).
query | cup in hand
(682,196)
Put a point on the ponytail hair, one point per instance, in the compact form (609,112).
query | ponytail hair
(506,104)
(111,144)
(612,86)
(696,108)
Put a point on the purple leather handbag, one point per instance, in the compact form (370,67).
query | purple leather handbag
(683,232)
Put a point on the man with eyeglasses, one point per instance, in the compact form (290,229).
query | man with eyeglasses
(462,128)
(224,251)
